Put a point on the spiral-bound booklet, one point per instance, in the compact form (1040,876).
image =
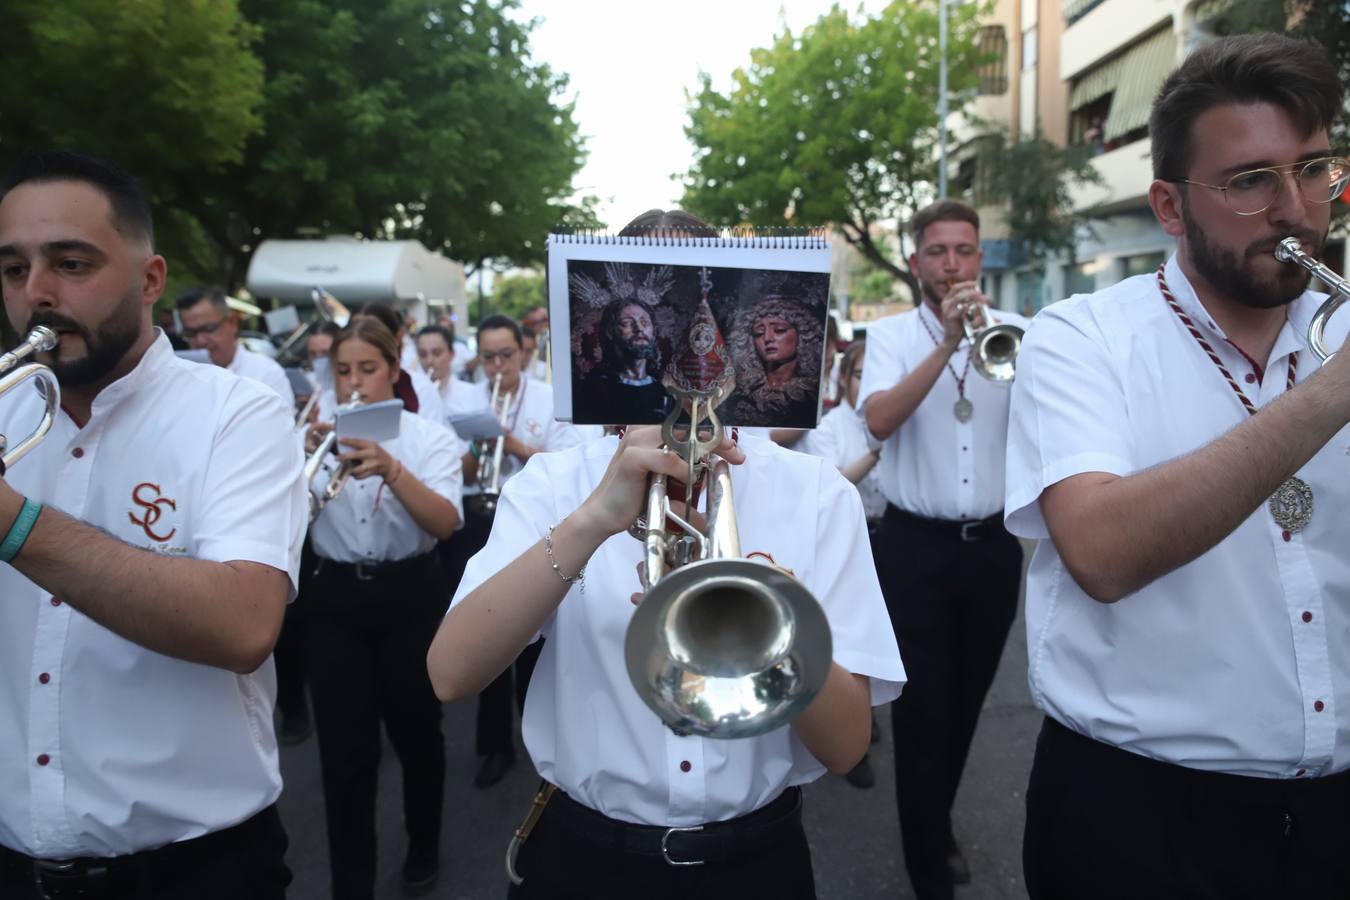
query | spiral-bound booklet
(745,313)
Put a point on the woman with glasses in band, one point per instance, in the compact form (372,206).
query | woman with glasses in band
(374,604)
(530,428)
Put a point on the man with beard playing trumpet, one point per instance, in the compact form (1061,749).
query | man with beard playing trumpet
(1182,458)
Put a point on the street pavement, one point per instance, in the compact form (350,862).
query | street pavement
(854,834)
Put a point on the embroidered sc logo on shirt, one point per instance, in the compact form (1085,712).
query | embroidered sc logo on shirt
(153,504)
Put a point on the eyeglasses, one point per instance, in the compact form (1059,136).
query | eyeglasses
(1252,192)
(190,333)
(504,355)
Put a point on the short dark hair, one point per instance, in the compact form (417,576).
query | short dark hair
(1242,69)
(388,316)
(192,296)
(126,195)
(444,332)
(942,211)
(329,328)
(500,321)
(668,220)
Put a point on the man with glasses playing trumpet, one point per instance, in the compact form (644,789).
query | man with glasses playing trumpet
(1182,458)
(152,542)
(524,407)
(935,395)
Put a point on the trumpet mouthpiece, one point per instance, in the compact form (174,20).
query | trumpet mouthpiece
(1288,249)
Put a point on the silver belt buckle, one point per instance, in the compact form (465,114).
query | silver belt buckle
(665,849)
(965,530)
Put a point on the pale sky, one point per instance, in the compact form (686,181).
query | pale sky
(630,63)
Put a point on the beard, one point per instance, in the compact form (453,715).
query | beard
(635,348)
(1241,279)
(105,346)
(930,290)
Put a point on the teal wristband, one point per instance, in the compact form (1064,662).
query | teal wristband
(19,531)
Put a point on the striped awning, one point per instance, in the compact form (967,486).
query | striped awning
(1095,83)
(1144,68)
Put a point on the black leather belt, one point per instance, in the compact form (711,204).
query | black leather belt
(90,878)
(714,842)
(966,530)
(369,571)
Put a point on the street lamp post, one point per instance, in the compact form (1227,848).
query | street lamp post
(942,98)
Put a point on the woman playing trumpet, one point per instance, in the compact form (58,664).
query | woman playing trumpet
(376,599)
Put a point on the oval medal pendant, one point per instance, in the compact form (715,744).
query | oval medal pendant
(1292,505)
(963,410)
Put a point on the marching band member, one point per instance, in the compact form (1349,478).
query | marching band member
(153,540)
(436,355)
(1186,606)
(950,570)
(209,324)
(530,429)
(374,604)
(635,801)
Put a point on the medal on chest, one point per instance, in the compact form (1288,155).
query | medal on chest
(1291,506)
(963,409)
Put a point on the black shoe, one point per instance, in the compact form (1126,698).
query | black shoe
(494,768)
(957,865)
(420,871)
(861,775)
(294,729)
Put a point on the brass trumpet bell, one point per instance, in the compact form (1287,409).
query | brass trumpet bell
(994,352)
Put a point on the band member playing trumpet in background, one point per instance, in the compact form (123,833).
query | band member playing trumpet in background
(152,542)
(530,428)
(209,324)
(436,356)
(374,605)
(949,570)
(1183,458)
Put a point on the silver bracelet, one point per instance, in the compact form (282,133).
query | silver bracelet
(579,578)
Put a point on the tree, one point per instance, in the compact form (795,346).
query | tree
(1034,179)
(515,295)
(837,124)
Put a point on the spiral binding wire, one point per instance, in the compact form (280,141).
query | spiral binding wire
(780,237)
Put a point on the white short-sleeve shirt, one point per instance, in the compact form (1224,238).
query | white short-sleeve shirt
(934,465)
(142,749)
(584,725)
(366,522)
(247,364)
(530,418)
(1238,661)
(841,438)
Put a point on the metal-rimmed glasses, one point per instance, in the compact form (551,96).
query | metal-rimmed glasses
(1252,192)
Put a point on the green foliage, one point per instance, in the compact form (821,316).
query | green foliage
(1033,178)
(160,86)
(515,295)
(836,124)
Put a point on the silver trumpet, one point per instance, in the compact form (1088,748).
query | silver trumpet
(319,499)
(1291,251)
(327,308)
(490,464)
(15,372)
(720,646)
(994,348)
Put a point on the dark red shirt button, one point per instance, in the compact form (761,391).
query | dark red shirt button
(1287,536)
(1307,616)
(1251,377)
(685,766)
(77,452)
(44,678)
(1319,705)
(56,601)
(43,759)
(1300,773)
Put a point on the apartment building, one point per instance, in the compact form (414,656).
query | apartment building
(1087,71)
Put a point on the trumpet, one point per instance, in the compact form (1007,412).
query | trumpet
(994,348)
(319,499)
(720,646)
(15,372)
(327,308)
(490,466)
(1289,250)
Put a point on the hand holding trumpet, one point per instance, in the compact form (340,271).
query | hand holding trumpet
(963,300)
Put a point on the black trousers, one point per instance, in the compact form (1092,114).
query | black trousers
(366,646)
(559,865)
(508,689)
(290,649)
(952,602)
(1106,823)
(247,860)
